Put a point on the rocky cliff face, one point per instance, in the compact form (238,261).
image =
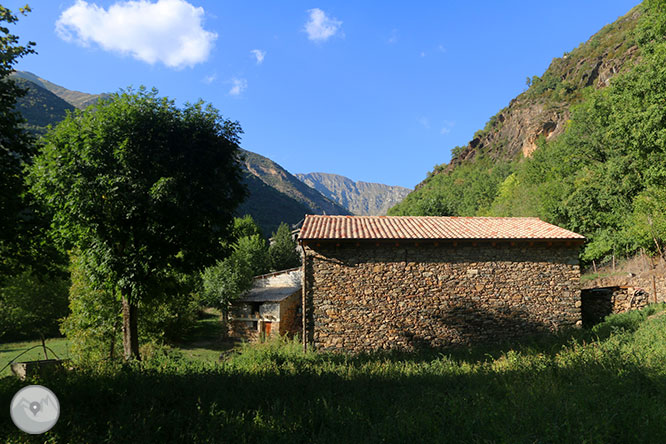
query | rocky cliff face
(282,180)
(360,198)
(278,196)
(543,110)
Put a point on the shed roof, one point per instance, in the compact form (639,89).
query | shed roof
(318,227)
(269,294)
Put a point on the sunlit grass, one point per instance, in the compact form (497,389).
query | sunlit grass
(10,350)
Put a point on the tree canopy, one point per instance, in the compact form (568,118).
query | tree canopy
(16,145)
(141,187)
(282,251)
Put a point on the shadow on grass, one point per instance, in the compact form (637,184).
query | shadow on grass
(612,390)
(370,402)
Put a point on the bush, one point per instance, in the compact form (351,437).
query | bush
(31,305)
(95,322)
(94,326)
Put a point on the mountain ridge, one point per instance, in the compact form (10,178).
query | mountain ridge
(77,99)
(358,197)
(583,148)
(543,110)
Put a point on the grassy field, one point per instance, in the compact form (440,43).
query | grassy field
(606,385)
(202,344)
(9,351)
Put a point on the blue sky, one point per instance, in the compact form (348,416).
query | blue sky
(375,91)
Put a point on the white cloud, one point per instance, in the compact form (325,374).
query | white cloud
(167,31)
(238,86)
(258,55)
(210,79)
(320,27)
(394,36)
(441,48)
(425,122)
(423,54)
(448,126)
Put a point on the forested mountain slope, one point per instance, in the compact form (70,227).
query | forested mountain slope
(362,198)
(40,107)
(277,196)
(584,147)
(77,99)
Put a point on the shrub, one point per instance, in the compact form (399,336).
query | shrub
(31,305)
(94,326)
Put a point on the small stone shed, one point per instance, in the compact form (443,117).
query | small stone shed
(391,282)
(272,306)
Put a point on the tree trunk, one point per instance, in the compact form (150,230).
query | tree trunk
(130,330)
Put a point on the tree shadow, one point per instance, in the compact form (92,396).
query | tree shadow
(361,399)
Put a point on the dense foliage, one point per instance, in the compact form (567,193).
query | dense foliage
(283,252)
(23,242)
(32,304)
(467,191)
(228,279)
(605,177)
(15,143)
(94,324)
(601,386)
(141,188)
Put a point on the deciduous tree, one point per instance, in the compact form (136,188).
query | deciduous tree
(141,187)
(16,145)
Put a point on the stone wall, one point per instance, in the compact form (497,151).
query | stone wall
(290,319)
(244,329)
(597,303)
(365,296)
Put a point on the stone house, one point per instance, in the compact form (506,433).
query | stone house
(272,306)
(383,282)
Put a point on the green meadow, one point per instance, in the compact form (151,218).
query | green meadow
(604,385)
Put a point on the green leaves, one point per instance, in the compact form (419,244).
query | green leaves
(141,186)
(604,177)
(467,190)
(283,250)
(16,149)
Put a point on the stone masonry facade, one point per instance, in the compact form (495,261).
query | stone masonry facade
(369,296)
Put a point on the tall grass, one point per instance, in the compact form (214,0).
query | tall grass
(605,385)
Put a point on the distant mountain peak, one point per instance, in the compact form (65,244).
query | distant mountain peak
(360,198)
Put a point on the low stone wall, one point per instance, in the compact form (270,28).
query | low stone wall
(368,296)
(597,303)
(245,330)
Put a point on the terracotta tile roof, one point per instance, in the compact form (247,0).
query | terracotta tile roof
(430,227)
